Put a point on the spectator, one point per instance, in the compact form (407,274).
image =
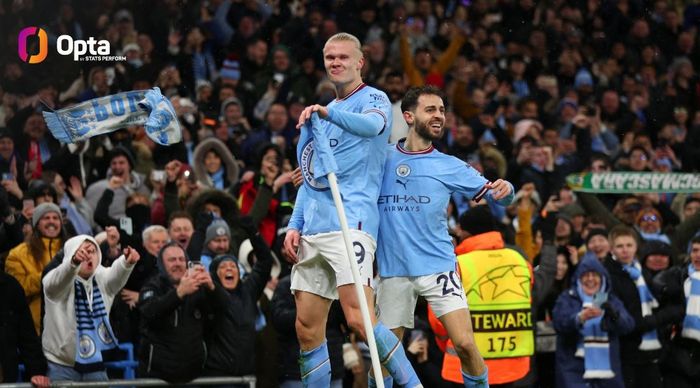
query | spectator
(121,179)
(214,166)
(26,261)
(588,330)
(174,306)
(79,293)
(268,185)
(640,348)
(180,229)
(19,341)
(231,343)
(217,242)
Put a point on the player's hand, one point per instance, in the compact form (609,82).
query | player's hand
(499,189)
(308,111)
(297,178)
(291,244)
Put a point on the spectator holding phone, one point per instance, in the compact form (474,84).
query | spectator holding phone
(174,306)
(589,320)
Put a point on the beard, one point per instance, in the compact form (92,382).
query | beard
(423,130)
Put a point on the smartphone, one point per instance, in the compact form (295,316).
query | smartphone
(194,266)
(127,225)
(158,175)
(278,78)
(189,175)
(28,204)
(6,176)
(600,298)
(417,335)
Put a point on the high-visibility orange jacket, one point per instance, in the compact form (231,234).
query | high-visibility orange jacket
(508,360)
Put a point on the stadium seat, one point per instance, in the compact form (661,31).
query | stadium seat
(127,365)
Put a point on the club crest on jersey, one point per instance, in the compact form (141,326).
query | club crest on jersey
(403,170)
(306,163)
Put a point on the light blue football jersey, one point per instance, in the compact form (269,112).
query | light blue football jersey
(413,234)
(358,129)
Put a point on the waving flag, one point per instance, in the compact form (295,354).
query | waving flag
(110,113)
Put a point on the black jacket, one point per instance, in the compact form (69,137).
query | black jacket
(283,318)
(231,340)
(172,331)
(17,333)
(666,314)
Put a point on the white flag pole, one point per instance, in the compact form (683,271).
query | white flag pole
(364,309)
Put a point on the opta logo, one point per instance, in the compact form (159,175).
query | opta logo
(22,45)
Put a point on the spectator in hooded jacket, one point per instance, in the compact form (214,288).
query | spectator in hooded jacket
(78,295)
(174,305)
(231,345)
(589,321)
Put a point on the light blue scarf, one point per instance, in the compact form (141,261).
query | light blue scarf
(110,113)
(594,345)
(94,333)
(217,178)
(691,322)
(650,340)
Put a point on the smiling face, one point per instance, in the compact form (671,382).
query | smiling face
(175,263)
(343,62)
(599,245)
(88,267)
(212,162)
(228,274)
(428,119)
(49,225)
(590,282)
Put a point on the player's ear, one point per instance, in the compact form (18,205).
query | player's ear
(408,116)
(361,62)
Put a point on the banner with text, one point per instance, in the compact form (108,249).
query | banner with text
(634,182)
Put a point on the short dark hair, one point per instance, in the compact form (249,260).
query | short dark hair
(179,214)
(410,99)
(478,220)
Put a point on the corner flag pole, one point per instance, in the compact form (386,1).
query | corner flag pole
(369,332)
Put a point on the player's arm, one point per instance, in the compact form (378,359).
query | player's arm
(471,183)
(296,221)
(369,123)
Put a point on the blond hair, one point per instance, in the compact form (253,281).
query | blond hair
(345,37)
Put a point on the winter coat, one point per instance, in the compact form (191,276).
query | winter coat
(231,342)
(21,265)
(616,321)
(16,333)
(172,330)
(60,327)
(228,162)
(625,289)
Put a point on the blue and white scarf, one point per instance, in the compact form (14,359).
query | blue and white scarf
(691,322)
(650,340)
(110,113)
(594,345)
(94,333)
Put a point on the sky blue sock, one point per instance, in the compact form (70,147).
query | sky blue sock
(393,357)
(315,366)
(388,382)
(480,381)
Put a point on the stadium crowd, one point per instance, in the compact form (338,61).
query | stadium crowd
(535,90)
